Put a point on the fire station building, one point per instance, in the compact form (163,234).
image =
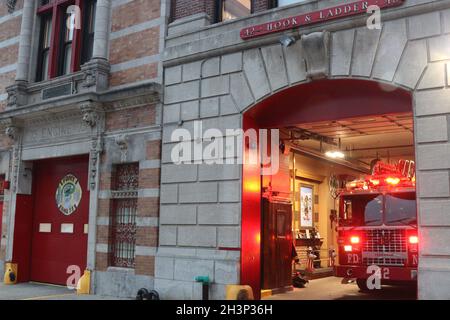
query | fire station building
(80,84)
(316,71)
(93,94)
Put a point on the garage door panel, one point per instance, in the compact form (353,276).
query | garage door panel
(61,200)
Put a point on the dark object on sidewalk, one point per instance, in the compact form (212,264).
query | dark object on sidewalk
(243,295)
(12,276)
(144,294)
(298,281)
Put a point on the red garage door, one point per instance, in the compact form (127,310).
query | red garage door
(60,218)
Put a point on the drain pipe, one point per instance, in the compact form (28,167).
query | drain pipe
(204,280)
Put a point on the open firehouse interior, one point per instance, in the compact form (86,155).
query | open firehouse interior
(315,194)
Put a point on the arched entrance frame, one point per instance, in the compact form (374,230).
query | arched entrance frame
(388,56)
(321,100)
(224,77)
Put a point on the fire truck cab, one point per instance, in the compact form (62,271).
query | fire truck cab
(377,227)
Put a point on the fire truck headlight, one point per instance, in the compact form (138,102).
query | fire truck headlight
(413,239)
(354,240)
(348,248)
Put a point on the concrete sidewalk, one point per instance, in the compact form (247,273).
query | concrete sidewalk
(34,291)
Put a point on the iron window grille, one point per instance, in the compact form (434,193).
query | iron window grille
(123,218)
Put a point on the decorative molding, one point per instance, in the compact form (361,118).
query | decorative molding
(91,112)
(12,132)
(16,95)
(124,194)
(96,150)
(96,74)
(122,142)
(11,128)
(316,52)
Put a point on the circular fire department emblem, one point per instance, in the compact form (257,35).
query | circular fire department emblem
(68,195)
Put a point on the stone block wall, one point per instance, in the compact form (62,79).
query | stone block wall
(200,206)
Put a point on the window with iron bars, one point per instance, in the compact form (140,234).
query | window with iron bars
(123,217)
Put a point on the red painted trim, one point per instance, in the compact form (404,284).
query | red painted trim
(54,43)
(251,218)
(327,14)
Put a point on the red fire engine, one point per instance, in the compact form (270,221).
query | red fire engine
(378,226)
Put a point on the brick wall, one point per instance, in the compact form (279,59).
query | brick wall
(131,118)
(135,42)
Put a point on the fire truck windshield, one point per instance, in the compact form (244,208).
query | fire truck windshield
(401,208)
(363,210)
(367,210)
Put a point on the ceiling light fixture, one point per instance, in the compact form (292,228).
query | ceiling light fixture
(287,41)
(335,154)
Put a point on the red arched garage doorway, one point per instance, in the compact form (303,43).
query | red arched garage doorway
(323,100)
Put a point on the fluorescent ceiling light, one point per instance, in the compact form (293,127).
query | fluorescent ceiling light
(335,154)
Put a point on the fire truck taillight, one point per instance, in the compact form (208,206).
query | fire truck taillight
(355,240)
(413,239)
(348,248)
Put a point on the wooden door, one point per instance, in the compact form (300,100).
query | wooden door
(276,245)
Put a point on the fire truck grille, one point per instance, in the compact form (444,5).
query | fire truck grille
(385,241)
(384,261)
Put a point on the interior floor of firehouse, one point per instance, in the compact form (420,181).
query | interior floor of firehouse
(320,163)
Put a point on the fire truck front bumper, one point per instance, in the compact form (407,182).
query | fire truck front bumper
(387,274)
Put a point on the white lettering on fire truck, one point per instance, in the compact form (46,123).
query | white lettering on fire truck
(352,258)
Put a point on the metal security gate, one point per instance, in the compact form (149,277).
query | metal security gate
(60,219)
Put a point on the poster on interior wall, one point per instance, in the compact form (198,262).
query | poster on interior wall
(306,206)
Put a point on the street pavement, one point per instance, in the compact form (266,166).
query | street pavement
(33,291)
(321,289)
(332,289)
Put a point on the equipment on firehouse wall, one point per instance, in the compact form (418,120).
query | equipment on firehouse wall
(310,262)
(332,257)
(10,273)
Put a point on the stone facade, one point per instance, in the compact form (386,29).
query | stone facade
(214,76)
(113,113)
